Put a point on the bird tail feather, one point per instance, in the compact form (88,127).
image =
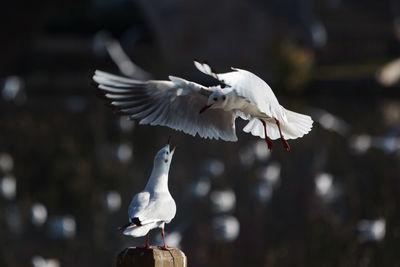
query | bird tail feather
(137,231)
(296,126)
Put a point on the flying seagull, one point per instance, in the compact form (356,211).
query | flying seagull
(209,112)
(154,206)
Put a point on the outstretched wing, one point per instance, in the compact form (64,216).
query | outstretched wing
(249,86)
(175,104)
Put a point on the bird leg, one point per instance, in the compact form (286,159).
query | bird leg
(163,238)
(285,143)
(269,142)
(147,246)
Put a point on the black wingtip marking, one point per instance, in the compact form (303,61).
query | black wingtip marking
(137,221)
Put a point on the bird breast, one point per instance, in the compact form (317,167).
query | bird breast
(240,103)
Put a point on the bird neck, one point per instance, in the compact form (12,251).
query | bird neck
(159,178)
(229,102)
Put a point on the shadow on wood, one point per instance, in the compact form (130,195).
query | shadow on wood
(154,256)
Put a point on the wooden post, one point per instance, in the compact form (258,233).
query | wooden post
(153,257)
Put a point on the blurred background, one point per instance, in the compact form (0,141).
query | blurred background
(69,166)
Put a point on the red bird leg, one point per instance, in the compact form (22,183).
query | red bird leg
(147,240)
(269,142)
(163,238)
(147,246)
(285,143)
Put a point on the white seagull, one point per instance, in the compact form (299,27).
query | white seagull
(154,206)
(181,105)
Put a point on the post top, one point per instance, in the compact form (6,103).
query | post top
(154,256)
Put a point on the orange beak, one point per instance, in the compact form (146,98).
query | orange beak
(171,148)
(204,108)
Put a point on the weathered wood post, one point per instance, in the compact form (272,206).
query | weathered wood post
(152,257)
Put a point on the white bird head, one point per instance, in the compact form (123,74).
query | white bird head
(216,100)
(164,155)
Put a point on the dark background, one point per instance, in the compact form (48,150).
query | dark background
(62,148)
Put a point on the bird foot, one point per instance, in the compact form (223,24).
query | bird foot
(164,248)
(269,143)
(285,144)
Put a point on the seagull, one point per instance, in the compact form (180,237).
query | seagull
(209,112)
(154,206)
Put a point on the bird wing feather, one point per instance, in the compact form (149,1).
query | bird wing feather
(160,210)
(175,104)
(138,205)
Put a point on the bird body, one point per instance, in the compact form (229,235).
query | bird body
(154,206)
(182,105)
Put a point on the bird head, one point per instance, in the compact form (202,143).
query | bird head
(164,155)
(216,100)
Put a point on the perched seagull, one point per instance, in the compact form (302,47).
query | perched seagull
(181,105)
(154,206)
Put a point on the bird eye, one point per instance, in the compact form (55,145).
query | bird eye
(166,161)
(215,98)
(167,152)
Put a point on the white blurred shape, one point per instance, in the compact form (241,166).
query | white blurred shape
(361,143)
(323,183)
(260,151)
(263,192)
(39,261)
(254,151)
(388,144)
(38,214)
(118,55)
(223,200)
(125,65)
(271,173)
(330,122)
(214,167)
(124,152)
(371,230)
(318,34)
(8,187)
(13,89)
(389,74)
(75,103)
(113,201)
(246,156)
(125,124)
(200,188)
(63,227)
(6,162)
(226,228)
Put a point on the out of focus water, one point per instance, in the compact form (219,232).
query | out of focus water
(69,166)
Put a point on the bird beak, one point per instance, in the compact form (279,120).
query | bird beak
(171,148)
(204,108)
